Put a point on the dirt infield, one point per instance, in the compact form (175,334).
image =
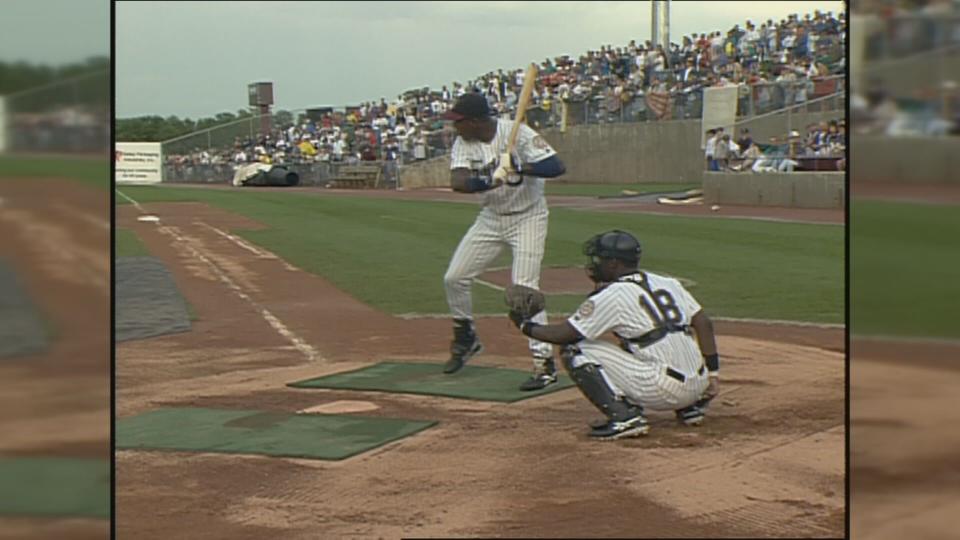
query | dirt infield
(907,193)
(56,403)
(769,461)
(904,391)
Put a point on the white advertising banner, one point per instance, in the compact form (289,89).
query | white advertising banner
(719,110)
(138,162)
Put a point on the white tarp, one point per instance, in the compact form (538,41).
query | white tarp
(719,110)
(138,162)
(248,171)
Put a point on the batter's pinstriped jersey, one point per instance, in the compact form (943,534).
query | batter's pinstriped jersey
(531,148)
(637,304)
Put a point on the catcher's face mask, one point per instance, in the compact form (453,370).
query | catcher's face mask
(594,266)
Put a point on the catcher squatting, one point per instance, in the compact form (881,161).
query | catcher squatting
(658,364)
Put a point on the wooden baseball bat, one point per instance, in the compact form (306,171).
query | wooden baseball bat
(522,103)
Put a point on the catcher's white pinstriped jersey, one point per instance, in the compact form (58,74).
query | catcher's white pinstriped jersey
(632,307)
(514,216)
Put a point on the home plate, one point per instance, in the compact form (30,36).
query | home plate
(342,406)
(149,218)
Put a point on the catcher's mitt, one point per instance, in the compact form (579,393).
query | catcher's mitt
(524,301)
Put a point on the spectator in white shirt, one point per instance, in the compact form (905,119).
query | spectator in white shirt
(710,149)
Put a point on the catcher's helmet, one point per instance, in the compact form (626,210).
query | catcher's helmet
(615,244)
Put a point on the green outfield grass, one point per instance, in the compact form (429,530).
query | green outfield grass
(93,172)
(392,254)
(903,269)
(128,244)
(609,190)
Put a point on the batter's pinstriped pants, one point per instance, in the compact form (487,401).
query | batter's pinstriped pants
(525,234)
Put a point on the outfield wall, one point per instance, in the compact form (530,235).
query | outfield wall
(906,160)
(311,174)
(424,174)
(795,189)
(646,152)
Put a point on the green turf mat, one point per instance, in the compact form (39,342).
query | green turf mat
(54,487)
(312,436)
(23,330)
(472,382)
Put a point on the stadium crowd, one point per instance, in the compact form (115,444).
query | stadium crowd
(775,64)
(822,143)
(927,31)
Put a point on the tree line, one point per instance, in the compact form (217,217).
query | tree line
(17,76)
(156,128)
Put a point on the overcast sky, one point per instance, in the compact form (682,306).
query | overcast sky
(195,59)
(54,32)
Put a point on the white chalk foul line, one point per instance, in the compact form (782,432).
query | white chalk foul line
(133,202)
(238,241)
(260,253)
(308,351)
(493,286)
(305,348)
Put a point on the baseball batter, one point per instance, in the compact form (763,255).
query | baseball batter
(667,358)
(513,214)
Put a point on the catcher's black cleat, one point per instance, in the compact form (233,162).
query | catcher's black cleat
(690,416)
(465,346)
(613,430)
(541,378)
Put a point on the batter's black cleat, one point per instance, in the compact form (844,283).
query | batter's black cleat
(465,346)
(541,378)
(613,430)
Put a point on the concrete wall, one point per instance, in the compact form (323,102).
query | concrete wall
(640,152)
(433,172)
(919,73)
(796,189)
(908,160)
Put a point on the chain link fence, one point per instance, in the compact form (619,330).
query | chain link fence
(755,99)
(69,116)
(217,139)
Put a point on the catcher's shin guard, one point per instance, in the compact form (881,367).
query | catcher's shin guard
(591,383)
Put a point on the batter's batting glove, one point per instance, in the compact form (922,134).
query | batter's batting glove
(515,163)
